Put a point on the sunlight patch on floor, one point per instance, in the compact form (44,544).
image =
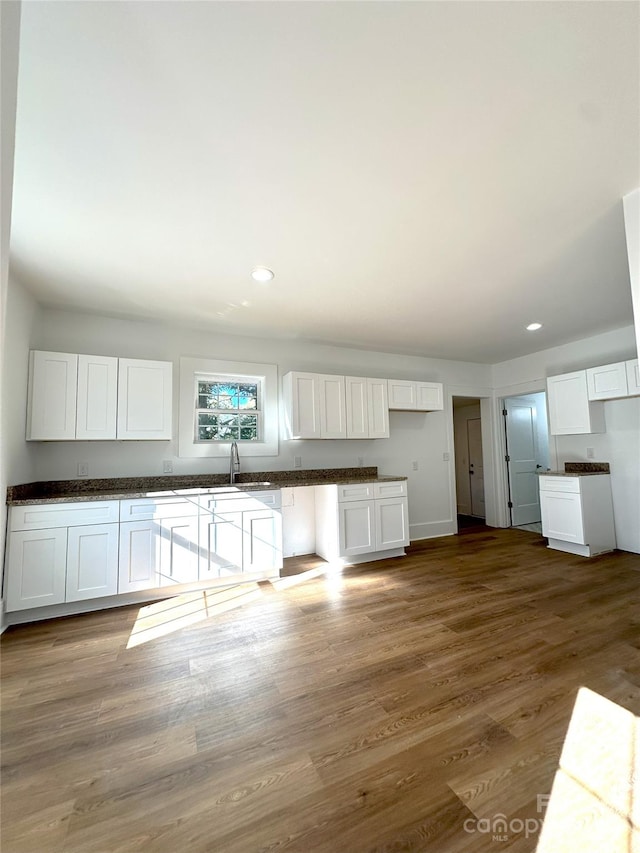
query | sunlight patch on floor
(595,799)
(172,614)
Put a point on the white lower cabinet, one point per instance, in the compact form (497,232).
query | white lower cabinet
(92,562)
(361,519)
(392,524)
(241,534)
(577,513)
(37,566)
(61,552)
(221,540)
(158,552)
(356,521)
(262,540)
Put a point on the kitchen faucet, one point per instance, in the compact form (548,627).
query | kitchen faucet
(235,463)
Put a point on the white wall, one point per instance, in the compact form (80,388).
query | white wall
(620,445)
(9,50)
(631,206)
(420,437)
(19,454)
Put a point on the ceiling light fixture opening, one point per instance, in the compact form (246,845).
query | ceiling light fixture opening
(533,327)
(262,274)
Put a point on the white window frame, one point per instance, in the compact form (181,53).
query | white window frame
(232,380)
(235,371)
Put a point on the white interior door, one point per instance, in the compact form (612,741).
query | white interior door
(476,470)
(522,460)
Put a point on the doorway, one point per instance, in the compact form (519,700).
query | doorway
(527,453)
(469,466)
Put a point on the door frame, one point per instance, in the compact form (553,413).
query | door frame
(488,427)
(500,445)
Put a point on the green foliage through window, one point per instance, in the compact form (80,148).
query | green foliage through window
(227,411)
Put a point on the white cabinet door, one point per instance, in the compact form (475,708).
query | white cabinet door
(429,396)
(562,516)
(144,399)
(139,556)
(570,411)
(36,568)
(392,523)
(333,418)
(301,403)
(607,381)
(356,521)
(378,407)
(262,540)
(97,397)
(178,549)
(221,543)
(633,377)
(357,407)
(92,561)
(51,407)
(402,394)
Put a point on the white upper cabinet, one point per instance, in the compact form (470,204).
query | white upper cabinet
(430,396)
(402,394)
(301,401)
(97,397)
(378,405)
(633,377)
(51,409)
(357,407)
(367,407)
(144,399)
(607,381)
(407,395)
(570,410)
(88,397)
(333,418)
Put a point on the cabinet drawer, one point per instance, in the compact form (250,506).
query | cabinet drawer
(142,509)
(241,501)
(390,490)
(560,484)
(355,492)
(41,516)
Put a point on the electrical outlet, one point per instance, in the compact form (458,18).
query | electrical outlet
(83,469)
(446,457)
(167,466)
(590,453)
(360,461)
(414,465)
(297,461)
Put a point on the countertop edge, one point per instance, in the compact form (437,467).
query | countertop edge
(297,481)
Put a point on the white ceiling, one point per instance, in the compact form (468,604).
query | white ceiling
(422,177)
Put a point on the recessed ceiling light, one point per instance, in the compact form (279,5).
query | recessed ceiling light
(533,327)
(261,274)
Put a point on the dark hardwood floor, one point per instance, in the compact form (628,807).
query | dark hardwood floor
(391,707)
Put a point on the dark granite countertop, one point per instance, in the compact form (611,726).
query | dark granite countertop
(579,469)
(68,491)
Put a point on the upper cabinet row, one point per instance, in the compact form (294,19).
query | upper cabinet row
(90,397)
(319,405)
(575,399)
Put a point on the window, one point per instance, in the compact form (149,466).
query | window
(225,401)
(228,409)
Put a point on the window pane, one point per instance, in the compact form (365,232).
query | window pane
(248,434)
(207,420)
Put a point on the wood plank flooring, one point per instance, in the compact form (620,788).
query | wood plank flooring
(392,706)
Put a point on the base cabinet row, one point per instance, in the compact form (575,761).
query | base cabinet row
(58,564)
